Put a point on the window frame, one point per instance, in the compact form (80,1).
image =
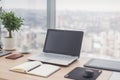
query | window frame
(0,26)
(51,13)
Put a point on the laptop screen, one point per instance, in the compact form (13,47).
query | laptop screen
(63,42)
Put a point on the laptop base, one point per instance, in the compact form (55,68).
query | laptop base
(53,59)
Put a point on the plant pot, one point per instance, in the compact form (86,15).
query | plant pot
(9,43)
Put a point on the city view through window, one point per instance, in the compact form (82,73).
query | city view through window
(99,19)
(34,13)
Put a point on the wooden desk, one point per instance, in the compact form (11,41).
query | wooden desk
(6,64)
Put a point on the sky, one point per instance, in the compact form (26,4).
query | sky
(89,5)
(25,4)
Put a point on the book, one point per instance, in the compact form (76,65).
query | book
(36,68)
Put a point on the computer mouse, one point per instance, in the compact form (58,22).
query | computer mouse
(88,73)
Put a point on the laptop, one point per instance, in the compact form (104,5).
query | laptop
(62,47)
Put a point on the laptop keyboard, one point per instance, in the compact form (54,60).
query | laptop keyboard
(55,56)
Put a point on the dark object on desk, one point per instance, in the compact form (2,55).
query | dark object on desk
(89,73)
(79,74)
(14,56)
(3,53)
(104,64)
(0,47)
(24,52)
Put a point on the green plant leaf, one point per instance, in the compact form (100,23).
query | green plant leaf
(11,22)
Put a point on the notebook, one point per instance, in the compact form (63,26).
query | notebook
(62,47)
(36,68)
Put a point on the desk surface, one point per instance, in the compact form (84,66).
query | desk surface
(6,64)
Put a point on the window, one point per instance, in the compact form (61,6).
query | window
(34,13)
(99,19)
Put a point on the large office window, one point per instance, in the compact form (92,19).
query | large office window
(99,19)
(34,13)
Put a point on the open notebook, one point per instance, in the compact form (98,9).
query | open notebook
(36,68)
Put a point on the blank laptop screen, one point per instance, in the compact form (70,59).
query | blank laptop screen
(63,42)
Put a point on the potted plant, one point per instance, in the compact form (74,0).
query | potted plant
(12,23)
